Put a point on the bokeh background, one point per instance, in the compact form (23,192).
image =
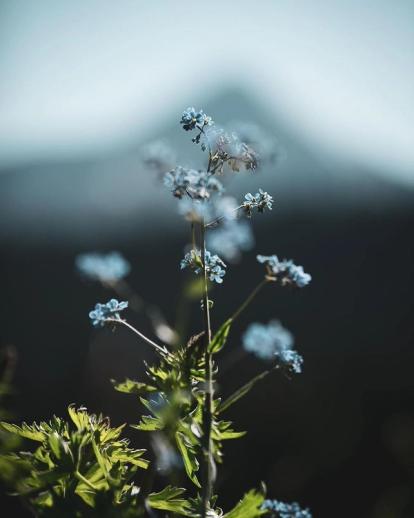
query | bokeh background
(85,87)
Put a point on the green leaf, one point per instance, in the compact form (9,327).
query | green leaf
(148,424)
(189,457)
(33,432)
(132,387)
(220,338)
(242,391)
(166,500)
(248,507)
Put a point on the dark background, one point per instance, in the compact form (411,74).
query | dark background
(339,437)
(84,87)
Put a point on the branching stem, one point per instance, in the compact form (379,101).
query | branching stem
(162,350)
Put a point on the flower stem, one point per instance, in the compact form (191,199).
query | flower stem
(214,222)
(162,350)
(249,299)
(208,460)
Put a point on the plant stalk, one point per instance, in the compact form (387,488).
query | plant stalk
(208,460)
(249,299)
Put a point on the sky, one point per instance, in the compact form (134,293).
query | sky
(79,77)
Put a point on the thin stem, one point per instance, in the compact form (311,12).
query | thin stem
(79,476)
(160,349)
(217,220)
(208,461)
(249,298)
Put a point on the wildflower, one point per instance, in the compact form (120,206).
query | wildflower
(215,267)
(232,238)
(103,312)
(286,271)
(103,267)
(260,201)
(195,210)
(283,510)
(158,156)
(191,119)
(272,341)
(257,138)
(167,458)
(198,185)
(227,148)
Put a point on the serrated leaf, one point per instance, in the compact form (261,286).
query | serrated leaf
(26,431)
(219,339)
(242,391)
(132,387)
(248,507)
(148,424)
(166,500)
(189,458)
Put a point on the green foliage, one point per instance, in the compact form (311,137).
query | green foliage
(76,466)
(248,507)
(168,500)
(220,338)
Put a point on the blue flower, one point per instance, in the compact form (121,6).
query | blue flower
(103,312)
(286,271)
(109,267)
(260,201)
(231,238)
(215,267)
(229,149)
(272,341)
(199,185)
(192,118)
(282,510)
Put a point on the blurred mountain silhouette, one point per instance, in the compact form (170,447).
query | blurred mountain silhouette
(110,195)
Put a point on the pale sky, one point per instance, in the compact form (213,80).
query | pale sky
(81,75)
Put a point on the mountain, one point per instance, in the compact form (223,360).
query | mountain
(109,196)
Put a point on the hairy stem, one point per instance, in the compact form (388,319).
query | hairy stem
(249,299)
(208,461)
(162,350)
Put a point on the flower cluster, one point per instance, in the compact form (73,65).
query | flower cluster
(109,267)
(215,267)
(103,312)
(227,148)
(283,510)
(199,185)
(260,201)
(158,156)
(286,271)
(232,238)
(272,341)
(259,139)
(191,119)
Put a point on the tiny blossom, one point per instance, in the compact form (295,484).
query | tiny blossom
(227,148)
(195,210)
(102,312)
(167,458)
(231,238)
(103,267)
(196,184)
(260,201)
(283,510)
(286,271)
(192,118)
(158,156)
(215,267)
(255,136)
(272,341)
